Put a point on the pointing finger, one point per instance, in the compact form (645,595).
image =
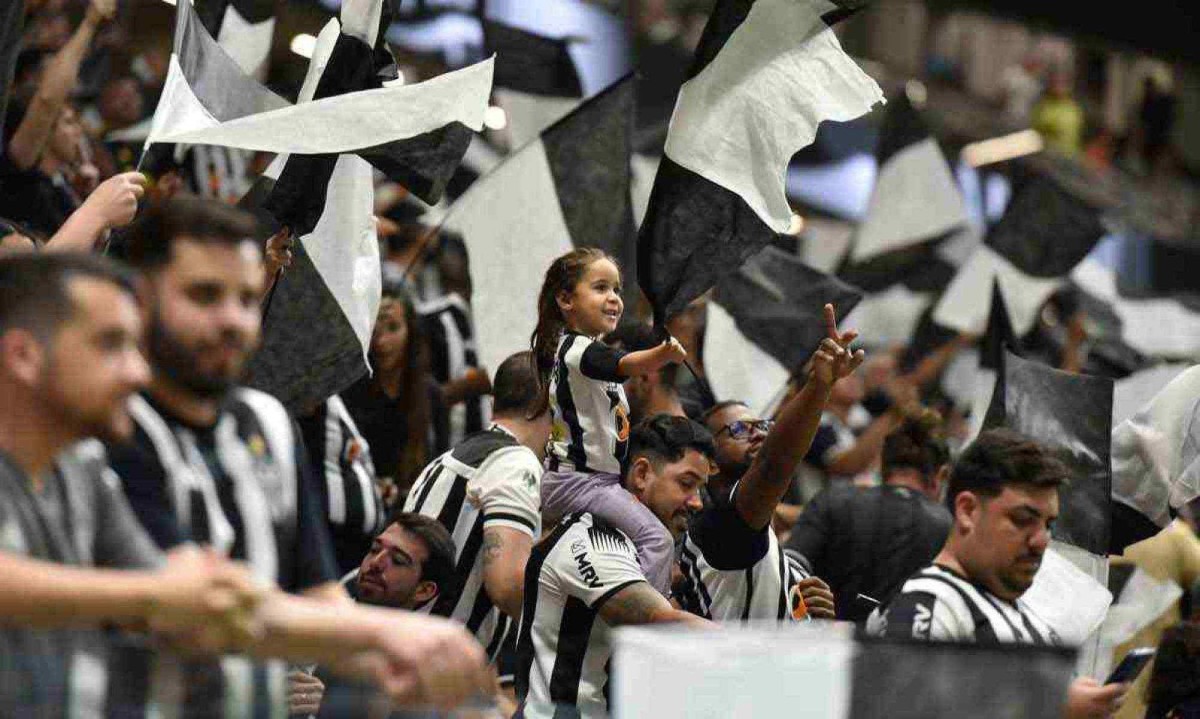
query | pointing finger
(831,322)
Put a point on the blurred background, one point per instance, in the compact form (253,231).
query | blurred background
(1111,92)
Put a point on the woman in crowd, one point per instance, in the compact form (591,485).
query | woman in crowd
(393,407)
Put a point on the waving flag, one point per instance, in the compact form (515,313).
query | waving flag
(536,79)
(1071,414)
(766,74)
(916,201)
(418,131)
(246,31)
(1045,232)
(776,303)
(1156,461)
(317,330)
(569,188)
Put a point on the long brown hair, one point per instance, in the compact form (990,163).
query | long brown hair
(564,273)
(414,393)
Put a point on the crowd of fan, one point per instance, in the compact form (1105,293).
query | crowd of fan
(446,538)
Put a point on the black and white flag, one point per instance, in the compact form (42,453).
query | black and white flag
(536,79)
(1156,461)
(208,100)
(246,31)
(775,303)
(568,188)
(1072,415)
(1045,232)
(1159,326)
(318,326)
(204,85)
(915,233)
(914,205)
(765,75)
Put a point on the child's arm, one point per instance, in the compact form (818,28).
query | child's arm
(643,362)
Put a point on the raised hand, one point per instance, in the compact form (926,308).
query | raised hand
(278,252)
(833,359)
(114,202)
(101,10)
(673,350)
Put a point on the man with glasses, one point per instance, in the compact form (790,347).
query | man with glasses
(734,569)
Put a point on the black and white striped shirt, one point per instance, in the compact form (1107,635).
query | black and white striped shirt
(564,648)
(453,352)
(489,480)
(939,604)
(243,487)
(733,572)
(591,415)
(345,477)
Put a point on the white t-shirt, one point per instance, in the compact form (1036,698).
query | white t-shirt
(489,480)
(564,647)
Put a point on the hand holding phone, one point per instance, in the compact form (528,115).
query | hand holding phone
(1131,666)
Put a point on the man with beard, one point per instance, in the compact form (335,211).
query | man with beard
(410,564)
(69,329)
(69,361)
(216,464)
(733,567)
(1003,493)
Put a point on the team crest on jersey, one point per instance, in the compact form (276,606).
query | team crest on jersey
(266,470)
(354,450)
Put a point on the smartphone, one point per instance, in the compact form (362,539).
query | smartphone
(1132,665)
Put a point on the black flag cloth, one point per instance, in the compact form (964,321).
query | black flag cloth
(999,337)
(1044,233)
(536,79)
(766,74)
(531,63)
(1071,414)
(568,188)
(317,329)
(778,303)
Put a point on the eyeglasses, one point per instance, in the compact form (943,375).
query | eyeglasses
(742,429)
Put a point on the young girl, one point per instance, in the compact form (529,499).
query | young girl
(579,303)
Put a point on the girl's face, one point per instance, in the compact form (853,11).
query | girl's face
(390,340)
(594,306)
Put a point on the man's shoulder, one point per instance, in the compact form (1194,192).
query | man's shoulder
(589,557)
(931,604)
(723,537)
(585,533)
(480,447)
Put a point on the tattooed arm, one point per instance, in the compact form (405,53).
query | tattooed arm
(639,603)
(505,552)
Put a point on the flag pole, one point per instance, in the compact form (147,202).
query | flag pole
(707,398)
(266,306)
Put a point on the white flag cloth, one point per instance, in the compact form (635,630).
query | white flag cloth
(1156,453)
(334,125)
